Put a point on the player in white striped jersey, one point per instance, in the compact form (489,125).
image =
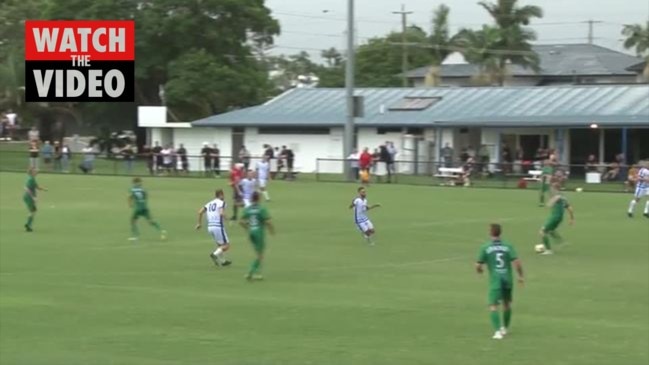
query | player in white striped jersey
(247,186)
(263,175)
(215,212)
(641,189)
(359,204)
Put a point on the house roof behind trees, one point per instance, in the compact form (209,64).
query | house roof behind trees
(566,60)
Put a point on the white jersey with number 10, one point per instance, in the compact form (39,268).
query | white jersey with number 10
(213,209)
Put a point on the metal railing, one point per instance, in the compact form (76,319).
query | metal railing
(136,165)
(486,175)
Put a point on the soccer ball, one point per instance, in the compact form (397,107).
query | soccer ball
(540,248)
(579,190)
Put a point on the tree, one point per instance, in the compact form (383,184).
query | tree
(332,57)
(378,62)
(514,45)
(638,37)
(441,42)
(477,48)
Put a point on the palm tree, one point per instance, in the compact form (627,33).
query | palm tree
(638,37)
(514,45)
(478,48)
(441,43)
(332,56)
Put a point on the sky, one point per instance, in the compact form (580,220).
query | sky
(314,25)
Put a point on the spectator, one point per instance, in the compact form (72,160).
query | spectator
(12,121)
(87,166)
(464,156)
(507,160)
(206,152)
(613,171)
(33,155)
(384,158)
(216,160)
(157,157)
(147,154)
(268,151)
(58,156)
(281,158)
(244,157)
(48,152)
(354,162)
(592,165)
(289,157)
(167,159)
(471,152)
(66,154)
(468,168)
(447,155)
(128,154)
(392,154)
(483,155)
(376,157)
(184,163)
(34,135)
(365,160)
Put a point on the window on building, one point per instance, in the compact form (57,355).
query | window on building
(414,103)
(385,130)
(415,131)
(293,130)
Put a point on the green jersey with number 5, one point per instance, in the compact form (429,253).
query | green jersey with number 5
(139,197)
(498,256)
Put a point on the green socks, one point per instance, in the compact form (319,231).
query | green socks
(546,242)
(30,220)
(254,268)
(495,320)
(156,225)
(507,315)
(134,231)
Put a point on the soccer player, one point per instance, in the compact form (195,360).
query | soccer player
(215,210)
(236,174)
(641,189)
(546,179)
(498,256)
(359,204)
(247,187)
(558,204)
(263,174)
(137,200)
(29,197)
(256,220)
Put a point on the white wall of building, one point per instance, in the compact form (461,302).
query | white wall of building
(306,147)
(369,137)
(193,139)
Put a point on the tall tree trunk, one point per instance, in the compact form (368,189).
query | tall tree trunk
(433,76)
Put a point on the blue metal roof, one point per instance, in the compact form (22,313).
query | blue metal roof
(571,106)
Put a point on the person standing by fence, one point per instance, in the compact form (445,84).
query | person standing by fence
(33,155)
(244,157)
(65,157)
(58,156)
(87,166)
(216,160)
(206,152)
(354,163)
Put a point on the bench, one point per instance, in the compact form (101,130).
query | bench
(450,174)
(534,175)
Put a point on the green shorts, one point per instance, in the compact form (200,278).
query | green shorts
(144,213)
(30,203)
(497,296)
(258,242)
(545,187)
(552,224)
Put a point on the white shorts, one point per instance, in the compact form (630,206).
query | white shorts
(262,183)
(640,192)
(246,202)
(219,235)
(365,226)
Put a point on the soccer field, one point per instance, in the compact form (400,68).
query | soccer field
(76,292)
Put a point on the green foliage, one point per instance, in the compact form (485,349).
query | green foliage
(637,37)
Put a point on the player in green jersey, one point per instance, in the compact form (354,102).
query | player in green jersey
(29,197)
(546,179)
(499,256)
(558,204)
(256,220)
(137,200)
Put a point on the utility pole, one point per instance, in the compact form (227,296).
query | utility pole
(591,30)
(348,140)
(404,53)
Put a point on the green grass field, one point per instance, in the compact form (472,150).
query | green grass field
(76,292)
